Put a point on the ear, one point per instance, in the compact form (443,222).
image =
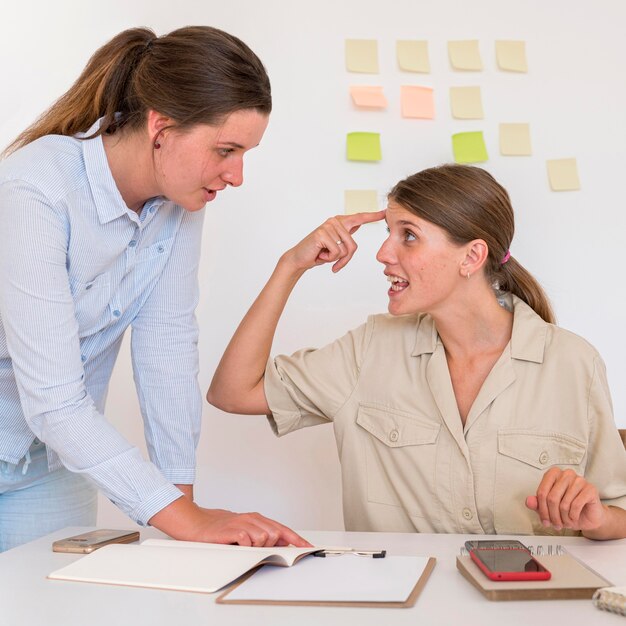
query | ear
(156,123)
(476,254)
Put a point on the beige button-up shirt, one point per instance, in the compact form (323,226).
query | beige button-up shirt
(408,464)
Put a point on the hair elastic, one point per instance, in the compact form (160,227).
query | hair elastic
(506,257)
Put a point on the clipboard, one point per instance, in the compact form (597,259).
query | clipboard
(570,580)
(236,593)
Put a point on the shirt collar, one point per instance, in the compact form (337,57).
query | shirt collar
(107,197)
(528,338)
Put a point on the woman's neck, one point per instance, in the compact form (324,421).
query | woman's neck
(130,159)
(475,325)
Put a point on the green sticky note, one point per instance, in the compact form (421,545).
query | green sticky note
(363,147)
(469,147)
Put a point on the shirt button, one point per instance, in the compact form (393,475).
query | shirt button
(393,435)
(467,513)
(117,313)
(83,358)
(152,209)
(89,286)
(132,243)
(161,249)
(544,457)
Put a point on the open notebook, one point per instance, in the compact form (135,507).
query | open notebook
(178,565)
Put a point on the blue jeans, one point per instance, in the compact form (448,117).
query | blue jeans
(35,501)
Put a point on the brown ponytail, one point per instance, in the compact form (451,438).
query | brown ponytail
(194,75)
(468,203)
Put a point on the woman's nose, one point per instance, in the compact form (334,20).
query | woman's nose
(385,253)
(233,175)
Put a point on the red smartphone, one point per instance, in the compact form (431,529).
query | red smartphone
(509,564)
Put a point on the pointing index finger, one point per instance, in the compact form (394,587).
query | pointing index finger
(353,221)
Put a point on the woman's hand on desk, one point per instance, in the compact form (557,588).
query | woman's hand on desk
(566,500)
(187,521)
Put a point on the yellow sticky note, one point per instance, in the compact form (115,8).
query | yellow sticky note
(360,200)
(469,147)
(413,56)
(363,147)
(466,103)
(465,55)
(362,56)
(511,56)
(515,140)
(563,175)
(417,101)
(368,97)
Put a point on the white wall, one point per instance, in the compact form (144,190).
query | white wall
(573,97)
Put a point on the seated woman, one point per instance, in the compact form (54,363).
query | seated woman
(464,411)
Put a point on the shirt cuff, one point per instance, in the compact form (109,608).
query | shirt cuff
(180,476)
(155,503)
(285,413)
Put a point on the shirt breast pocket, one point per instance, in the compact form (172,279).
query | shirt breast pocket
(156,252)
(150,262)
(523,458)
(91,303)
(401,455)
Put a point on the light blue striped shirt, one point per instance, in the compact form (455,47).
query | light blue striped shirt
(77,267)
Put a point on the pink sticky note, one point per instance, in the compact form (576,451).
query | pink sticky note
(417,101)
(368,97)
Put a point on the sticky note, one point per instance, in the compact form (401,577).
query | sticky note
(363,147)
(563,175)
(360,200)
(469,147)
(368,97)
(465,55)
(362,56)
(511,56)
(515,140)
(413,56)
(466,103)
(417,101)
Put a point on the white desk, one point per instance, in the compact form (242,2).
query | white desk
(28,598)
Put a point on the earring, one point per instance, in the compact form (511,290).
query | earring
(156,145)
(468,275)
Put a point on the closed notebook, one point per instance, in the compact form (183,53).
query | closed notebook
(177,565)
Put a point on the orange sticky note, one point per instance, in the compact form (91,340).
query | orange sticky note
(417,101)
(368,97)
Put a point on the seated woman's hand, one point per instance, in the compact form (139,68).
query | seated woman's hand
(566,500)
(331,242)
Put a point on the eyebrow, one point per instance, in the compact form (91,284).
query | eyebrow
(232,144)
(408,223)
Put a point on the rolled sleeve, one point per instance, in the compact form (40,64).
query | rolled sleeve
(606,465)
(310,386)
(164,348)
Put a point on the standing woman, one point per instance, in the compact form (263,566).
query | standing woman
(101,209)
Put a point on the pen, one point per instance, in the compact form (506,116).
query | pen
(375,554)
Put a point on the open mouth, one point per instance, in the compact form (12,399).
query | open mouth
(398,283)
